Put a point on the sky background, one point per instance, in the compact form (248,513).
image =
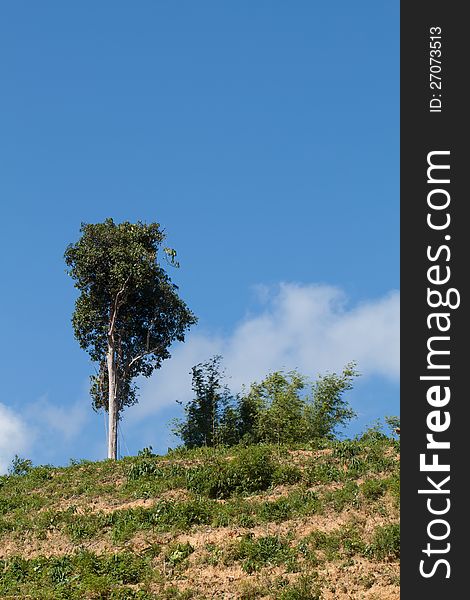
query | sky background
(262,136)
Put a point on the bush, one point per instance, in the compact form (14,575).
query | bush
(323,472)
(344,497)
(76,576)
(20,466)
(393,484)
(373,489)
(178,553)
(385,542)
(124,568)
(286,474)
(143,467)
(258,553)
(252,470)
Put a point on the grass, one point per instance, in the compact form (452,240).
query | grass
(74,576)
(148,526)
(263,551)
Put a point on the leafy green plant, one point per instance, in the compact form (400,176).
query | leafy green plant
(385,542)
(330,411)
(146,452)
(323,471)
(263,551)
(20,466)
(251,470)
(348,495)
(372,489)
(286,474)
(144,467)
(178,553)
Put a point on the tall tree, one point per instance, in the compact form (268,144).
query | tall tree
(128,312)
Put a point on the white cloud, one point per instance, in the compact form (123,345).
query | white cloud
(14,436)
(309,327)
(52,419)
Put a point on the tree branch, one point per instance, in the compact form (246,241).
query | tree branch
(140,356)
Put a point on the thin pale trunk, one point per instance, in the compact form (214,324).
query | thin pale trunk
(112,405)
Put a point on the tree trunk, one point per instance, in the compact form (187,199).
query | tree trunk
(112,404)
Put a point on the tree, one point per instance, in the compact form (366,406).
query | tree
(284,408)
(128,312)
(329,411)
(209,418)
(278,408)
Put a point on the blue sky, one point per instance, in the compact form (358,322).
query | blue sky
(263,136)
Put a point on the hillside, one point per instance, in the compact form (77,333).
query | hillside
(259,522)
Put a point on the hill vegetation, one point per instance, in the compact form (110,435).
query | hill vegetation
(309,521)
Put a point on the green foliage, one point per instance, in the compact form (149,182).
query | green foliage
(286,474)
(263,551)
(76,576)
(330,411)
(347,450)
(385,542)
(305,588)
(373,489)
(339,543)
(146,452)
(251,470)
(296,503)
(373,433)
(209,419)
(178,553)
(277,410)
(127,302)
(281,408)
(20,466)
(393,484)
(323,471)
(393,423)
(345,496)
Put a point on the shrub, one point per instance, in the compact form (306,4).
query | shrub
(393,484)
(178,553)
(124,568)
(20,466)
(279,510)
(323,472)
(385,542)
(143,467)
(346,449)
(258,553)
(372,489)
(251,470)
(286,474)
(346,496)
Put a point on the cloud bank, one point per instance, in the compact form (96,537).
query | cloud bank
(312,328)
